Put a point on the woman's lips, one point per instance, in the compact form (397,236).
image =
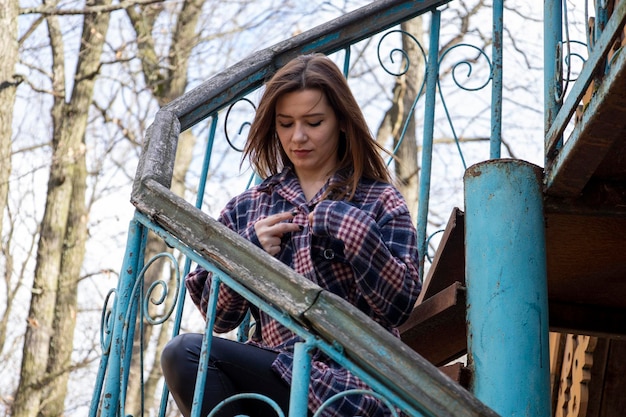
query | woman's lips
(301,152)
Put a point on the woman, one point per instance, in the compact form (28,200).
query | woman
(328,210)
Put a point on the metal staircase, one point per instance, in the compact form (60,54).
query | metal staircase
(583,200)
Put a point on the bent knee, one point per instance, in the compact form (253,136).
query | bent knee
(180,353)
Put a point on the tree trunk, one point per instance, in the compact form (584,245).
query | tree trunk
(94,31)
(8,85)
(61,344)
(41,312)
(49,336)
(404,93)
(165,85)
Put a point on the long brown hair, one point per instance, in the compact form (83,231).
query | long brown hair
(360,155)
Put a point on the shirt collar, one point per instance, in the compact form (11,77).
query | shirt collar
(287,180)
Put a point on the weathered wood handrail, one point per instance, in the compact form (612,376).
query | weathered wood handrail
(404,372)
(401,369)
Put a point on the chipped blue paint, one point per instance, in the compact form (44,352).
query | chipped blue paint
(507,292)
(118,358)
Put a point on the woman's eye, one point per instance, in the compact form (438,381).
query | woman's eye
(314,124)
(285,125)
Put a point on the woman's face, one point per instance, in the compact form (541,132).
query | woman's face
(308,131)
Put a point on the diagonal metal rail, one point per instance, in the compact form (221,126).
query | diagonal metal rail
(399,368)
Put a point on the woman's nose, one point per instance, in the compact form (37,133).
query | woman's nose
(299,133)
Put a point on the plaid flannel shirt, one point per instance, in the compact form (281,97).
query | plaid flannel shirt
(363,250)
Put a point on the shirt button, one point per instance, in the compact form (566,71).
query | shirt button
(329,254)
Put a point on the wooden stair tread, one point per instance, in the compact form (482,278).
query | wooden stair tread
(436,328)
(586,260)
(448,266)
(457,372)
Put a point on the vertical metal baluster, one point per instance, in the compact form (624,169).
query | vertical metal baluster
(432,73)
(299,396)
(198,395)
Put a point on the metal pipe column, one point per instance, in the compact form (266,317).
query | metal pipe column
(507,303)
(120,328)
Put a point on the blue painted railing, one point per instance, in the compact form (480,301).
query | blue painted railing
(397,375)
(566,92)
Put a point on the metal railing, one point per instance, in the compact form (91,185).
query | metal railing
(577,65)
(398,376)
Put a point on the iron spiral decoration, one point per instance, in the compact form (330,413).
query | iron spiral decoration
(241,128)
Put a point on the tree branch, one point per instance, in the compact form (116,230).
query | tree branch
(46,10)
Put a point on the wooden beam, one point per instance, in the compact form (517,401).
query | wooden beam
(436,328)
(592,320)
(448,266)
(586,259)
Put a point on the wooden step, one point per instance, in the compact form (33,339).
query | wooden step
(586,260)
(436,328)
(448,266)
(458,372)
(586,263)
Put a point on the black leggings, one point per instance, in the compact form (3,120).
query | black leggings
(233,368)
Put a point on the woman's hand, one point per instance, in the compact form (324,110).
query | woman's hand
(271,230)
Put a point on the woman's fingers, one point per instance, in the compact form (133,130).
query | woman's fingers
(271,229)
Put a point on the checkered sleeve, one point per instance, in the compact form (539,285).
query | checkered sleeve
(195,282)
(231,307)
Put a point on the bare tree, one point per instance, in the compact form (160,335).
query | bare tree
(8,84)
(399,119)
(48,341)
(94,31)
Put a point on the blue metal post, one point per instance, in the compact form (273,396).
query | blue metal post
(506,277)
(198,395)
(496,79)
(552,60)
(117,364)
(432,73)
(299,400)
